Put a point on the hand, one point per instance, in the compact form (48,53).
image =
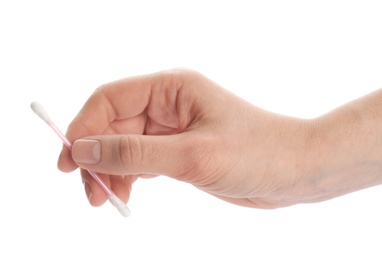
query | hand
(182,125)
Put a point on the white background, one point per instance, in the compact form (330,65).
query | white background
(299,58)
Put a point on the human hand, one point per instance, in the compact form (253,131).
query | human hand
(182,125)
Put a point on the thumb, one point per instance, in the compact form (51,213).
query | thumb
(133,154)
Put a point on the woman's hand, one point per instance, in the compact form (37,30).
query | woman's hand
(182,125)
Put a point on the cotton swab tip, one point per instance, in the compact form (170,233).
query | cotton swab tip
(40,111)
(120,205)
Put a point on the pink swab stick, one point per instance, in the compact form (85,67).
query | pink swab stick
(119,204)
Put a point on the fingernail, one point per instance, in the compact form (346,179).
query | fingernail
(88,190)
(86,151)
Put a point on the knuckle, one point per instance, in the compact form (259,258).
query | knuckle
(130,152)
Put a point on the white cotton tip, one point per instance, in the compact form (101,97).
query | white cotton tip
(40,111)
(120,205)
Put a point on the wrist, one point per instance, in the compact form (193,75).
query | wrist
(345,151)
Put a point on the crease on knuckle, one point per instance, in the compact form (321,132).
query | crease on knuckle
(130,152)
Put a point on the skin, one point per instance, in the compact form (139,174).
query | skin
(182,125)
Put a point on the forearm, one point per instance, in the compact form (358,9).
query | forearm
(346,148)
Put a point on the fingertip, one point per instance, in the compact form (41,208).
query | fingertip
(122,186)
(96,199)
(95,195)
(65,162)
(88,190)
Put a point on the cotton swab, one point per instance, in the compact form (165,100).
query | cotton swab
(120,205)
